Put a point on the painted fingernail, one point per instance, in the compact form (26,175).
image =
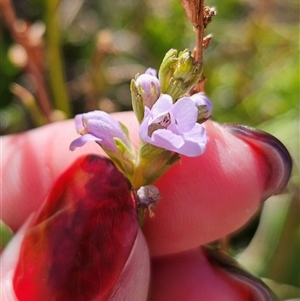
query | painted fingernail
(256,288)
(277,157)
(78,244)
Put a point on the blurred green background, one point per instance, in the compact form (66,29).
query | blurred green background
(73,56)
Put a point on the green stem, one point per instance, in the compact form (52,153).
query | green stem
(55,65)
(137,178)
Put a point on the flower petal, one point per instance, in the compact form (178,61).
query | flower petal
(151,71)
(78,122)
(98,126)
(83,140)
(183,135)
(143,131)
(167,139)
(191,144)
(148,87)
(201,100)
(195,142)
(185,112)
(162,106)
(101,124)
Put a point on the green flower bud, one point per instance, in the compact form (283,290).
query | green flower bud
(178,73)
(137,101)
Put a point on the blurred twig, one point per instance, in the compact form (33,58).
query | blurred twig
(21,33)
(29,102)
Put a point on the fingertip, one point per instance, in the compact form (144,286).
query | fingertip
(207,197)
(276,160)
(33,160)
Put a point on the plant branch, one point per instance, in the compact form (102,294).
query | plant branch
(55,65)
(22,35)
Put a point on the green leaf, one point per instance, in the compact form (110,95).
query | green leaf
(5,234)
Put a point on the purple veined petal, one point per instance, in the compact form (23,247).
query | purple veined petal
(191,144)
(180,133)
(162,106)
(185,112)
(83,140)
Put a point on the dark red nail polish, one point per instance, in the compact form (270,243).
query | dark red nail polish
(276,157)
(79,242)
(254,288)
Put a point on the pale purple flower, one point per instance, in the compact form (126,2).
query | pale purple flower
(148,86)
(100,127)
(174,127)
(203,104)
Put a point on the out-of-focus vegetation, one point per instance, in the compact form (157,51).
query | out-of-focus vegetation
(71,56)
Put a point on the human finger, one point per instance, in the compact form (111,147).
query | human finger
(203,198)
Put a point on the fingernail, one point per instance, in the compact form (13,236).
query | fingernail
(256,288)
(275,154)
(79,242)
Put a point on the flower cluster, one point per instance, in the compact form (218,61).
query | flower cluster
(174,126)
(170,121)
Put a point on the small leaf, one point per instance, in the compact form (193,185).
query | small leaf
(5,234)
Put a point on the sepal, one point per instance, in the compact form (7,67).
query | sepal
(155,161)
(137,101)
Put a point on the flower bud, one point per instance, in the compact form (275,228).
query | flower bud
(145,91)
(111,135)
(178,73)
(100,127)
(203,105)
(148,197)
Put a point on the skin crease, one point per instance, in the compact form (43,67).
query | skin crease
(204,198)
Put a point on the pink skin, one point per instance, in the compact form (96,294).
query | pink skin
(204,198)
(190,276)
